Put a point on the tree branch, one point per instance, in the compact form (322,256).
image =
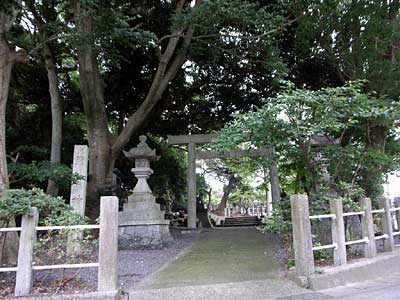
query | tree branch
(218,35)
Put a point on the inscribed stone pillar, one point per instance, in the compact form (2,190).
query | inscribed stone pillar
(191,205)
(78,194)
(78,189)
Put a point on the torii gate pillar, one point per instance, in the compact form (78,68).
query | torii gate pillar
(191,205)
(191,141)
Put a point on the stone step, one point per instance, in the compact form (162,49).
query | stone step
(242,221)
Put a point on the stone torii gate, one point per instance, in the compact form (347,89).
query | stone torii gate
(197,139)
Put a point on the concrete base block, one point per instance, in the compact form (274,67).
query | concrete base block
(142,224)
(147,236)
(361,270)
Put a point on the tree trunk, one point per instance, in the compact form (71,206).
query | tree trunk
(232,183)
(56,103)
(274,177)
(101,162)
(56,115)
(104,148)
(5,76)
(8,241)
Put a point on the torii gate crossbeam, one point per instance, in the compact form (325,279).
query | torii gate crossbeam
(191,141)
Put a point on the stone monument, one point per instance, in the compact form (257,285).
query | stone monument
(141,222)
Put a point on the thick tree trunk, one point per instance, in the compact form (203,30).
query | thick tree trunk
(92,90)
(9,241)
(56,115)
(104,148)
(101,165)
(232,183)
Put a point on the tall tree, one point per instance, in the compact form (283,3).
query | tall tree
(8,58)
(44,32)
(359,40)
(236,23)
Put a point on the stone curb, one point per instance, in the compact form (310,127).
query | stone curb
(361,270)
(114,295)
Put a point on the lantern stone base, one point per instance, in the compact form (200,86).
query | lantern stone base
(142,224)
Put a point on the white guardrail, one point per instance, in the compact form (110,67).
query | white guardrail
(108,248)
(48,228)
(348,214)
(302,230)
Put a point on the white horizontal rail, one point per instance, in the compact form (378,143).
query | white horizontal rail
(10,229)
(43,228)
(11,269)
(395,209)
(378,211)
(361,241)
(396,233)
(334,245)
(68,266)
(354,213)
(380,237)
(333,216)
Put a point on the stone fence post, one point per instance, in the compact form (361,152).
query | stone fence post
(338,232)
(397,204)
(367,226)
(24,281)
(387,224)
(108,244)
(302,240)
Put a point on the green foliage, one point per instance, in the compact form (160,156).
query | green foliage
(36,173)
(50,246)
(290,120)
(277,223)
(321,255)
(202,189)
(52,210)
(280,221)
(357,38)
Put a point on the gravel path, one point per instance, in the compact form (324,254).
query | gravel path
(134,266)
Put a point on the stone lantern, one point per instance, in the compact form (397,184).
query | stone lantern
(142,155)
(141,222)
